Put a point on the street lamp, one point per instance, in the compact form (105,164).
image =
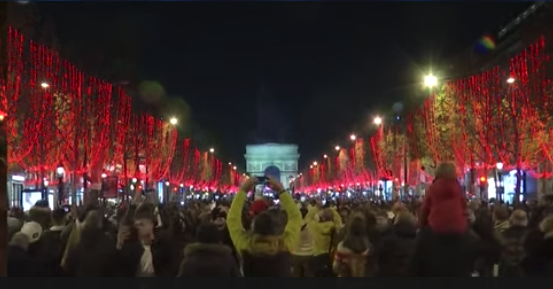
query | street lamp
(60,172)
(173,121)
(44,85)
(377,120)
(325,156)
(234,168)
(337,148)
(499,181)
(315,163)
(211,150)
(510,80)
(430,81)
(229,163)
(352,137)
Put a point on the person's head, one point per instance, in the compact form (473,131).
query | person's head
(356,234)
(58,217)
(93,221)
(208,233)
(405,217)
(500,214)
(519,218)
(144,219)
(41,215)
(265,224)
(219,217)
(446,171)
(326,215)
(20,240)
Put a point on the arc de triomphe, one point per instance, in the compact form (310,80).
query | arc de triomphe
(276,160)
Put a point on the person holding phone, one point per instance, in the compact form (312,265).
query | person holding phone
(264,251)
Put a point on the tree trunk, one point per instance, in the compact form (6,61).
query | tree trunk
(3,142)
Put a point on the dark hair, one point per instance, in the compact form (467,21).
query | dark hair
(356,235)
(145,211)
(264,224)
(58,215)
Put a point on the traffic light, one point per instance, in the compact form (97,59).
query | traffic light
(483,180)
(483,183)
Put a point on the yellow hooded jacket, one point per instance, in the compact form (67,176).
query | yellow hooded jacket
(322,232)
(255,244)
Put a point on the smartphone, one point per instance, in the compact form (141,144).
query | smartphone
(261,180)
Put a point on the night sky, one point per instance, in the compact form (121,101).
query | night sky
(329,67)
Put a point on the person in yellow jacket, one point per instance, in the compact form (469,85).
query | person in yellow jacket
(264,252)
(323,225)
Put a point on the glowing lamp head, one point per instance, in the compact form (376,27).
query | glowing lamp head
(173,121)
(325,156)
(510,80)
(377,120)
(134,180)
(430,81)
(104,176)
(337,148)
(352,137)
(499,166)
(311,166)
(60,170)
(44,85)
(315,163)
(234,168)
(230,164)
(167,183)
(483,179)
(211,150)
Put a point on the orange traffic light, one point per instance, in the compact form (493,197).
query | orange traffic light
(482,179)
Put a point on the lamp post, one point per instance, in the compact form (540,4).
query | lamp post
(60,173)
(500,189)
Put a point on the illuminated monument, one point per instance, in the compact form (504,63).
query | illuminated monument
(279,161)
(271,155)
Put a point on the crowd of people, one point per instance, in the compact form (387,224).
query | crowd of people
(442,235)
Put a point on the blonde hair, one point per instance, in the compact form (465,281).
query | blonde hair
(546,225)
(446,171)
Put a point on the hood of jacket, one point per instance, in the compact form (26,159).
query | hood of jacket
(199,248)
(266,245)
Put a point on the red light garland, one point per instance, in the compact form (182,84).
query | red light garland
(502,115)
(57,115)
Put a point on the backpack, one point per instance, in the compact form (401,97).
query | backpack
(512,255)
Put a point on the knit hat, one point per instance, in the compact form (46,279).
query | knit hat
(258,206)
(32,230)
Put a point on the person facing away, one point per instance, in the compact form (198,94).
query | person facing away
(512,241)
(323,225)
(444,247)
(444,207)
(95,254)
(395,250)
(51,246)
(20,262)
(265,253)
(303,253)
(351,257)
(209,256)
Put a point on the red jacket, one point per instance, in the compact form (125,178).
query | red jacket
(444,208)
